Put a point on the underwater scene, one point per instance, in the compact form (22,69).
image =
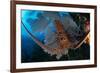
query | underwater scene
(54,36)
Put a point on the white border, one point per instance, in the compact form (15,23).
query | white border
(20,65)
